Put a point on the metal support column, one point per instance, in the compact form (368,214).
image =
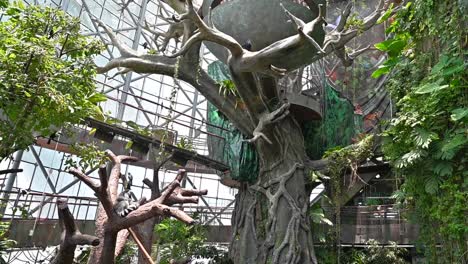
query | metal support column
(11,180)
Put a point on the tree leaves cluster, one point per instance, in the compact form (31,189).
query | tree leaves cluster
(46,74)
(427,140)
(178,242)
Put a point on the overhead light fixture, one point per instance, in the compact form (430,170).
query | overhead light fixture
(377,176)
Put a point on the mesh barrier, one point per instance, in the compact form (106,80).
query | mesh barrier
(240,156)
(337,128)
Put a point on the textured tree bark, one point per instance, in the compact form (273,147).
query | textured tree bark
(145,232)
(101,221)
(270,222)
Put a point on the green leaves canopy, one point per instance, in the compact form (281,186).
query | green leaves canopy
(46,74)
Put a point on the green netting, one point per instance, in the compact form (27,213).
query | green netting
(240,156)
(337,128)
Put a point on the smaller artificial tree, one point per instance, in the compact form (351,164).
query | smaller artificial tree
(112,229)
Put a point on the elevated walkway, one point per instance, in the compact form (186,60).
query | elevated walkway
(116,139)
(359,224)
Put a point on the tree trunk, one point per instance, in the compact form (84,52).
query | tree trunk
(270,221)
(108,250)
(146,230)
(65,255)
(96,252)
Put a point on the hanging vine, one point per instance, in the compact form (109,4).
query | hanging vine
(342,160)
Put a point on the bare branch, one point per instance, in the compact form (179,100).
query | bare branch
(182,196)
(148,211)
(310,26)
(348,58)
(206,33)
(125,51)
(171,195)
(344,17)
(85,179)
(172,186)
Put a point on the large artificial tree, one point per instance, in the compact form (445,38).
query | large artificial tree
(270,223)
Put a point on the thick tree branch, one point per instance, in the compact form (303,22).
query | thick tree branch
(103,178)
(337,38)
(303,28)
(187,71)
(109,223)
(85,179)
(71,235)
(206,33)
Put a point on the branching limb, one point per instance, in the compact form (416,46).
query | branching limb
(338,37)
(85,179)
(175,31)
(206,33)
(304,29)
(71,235)
(348,58)
(124,50)
(171,195)
(268,119)
(125,4)
(149,63)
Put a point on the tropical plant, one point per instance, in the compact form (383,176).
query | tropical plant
(179,242)
(374,253)
(128,255)
(426,142)
(46,74)
(5,242)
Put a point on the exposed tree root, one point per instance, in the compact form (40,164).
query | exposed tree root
(290,239)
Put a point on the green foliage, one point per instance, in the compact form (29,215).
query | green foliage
(185,143)
(128,254)
(354,22)
(227,88)
(341,159)
(426,142)
(317,216)
(373,253)
(178,241)
(3,3)
(90,156)
(5,242)
(152,51)
(46,74)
